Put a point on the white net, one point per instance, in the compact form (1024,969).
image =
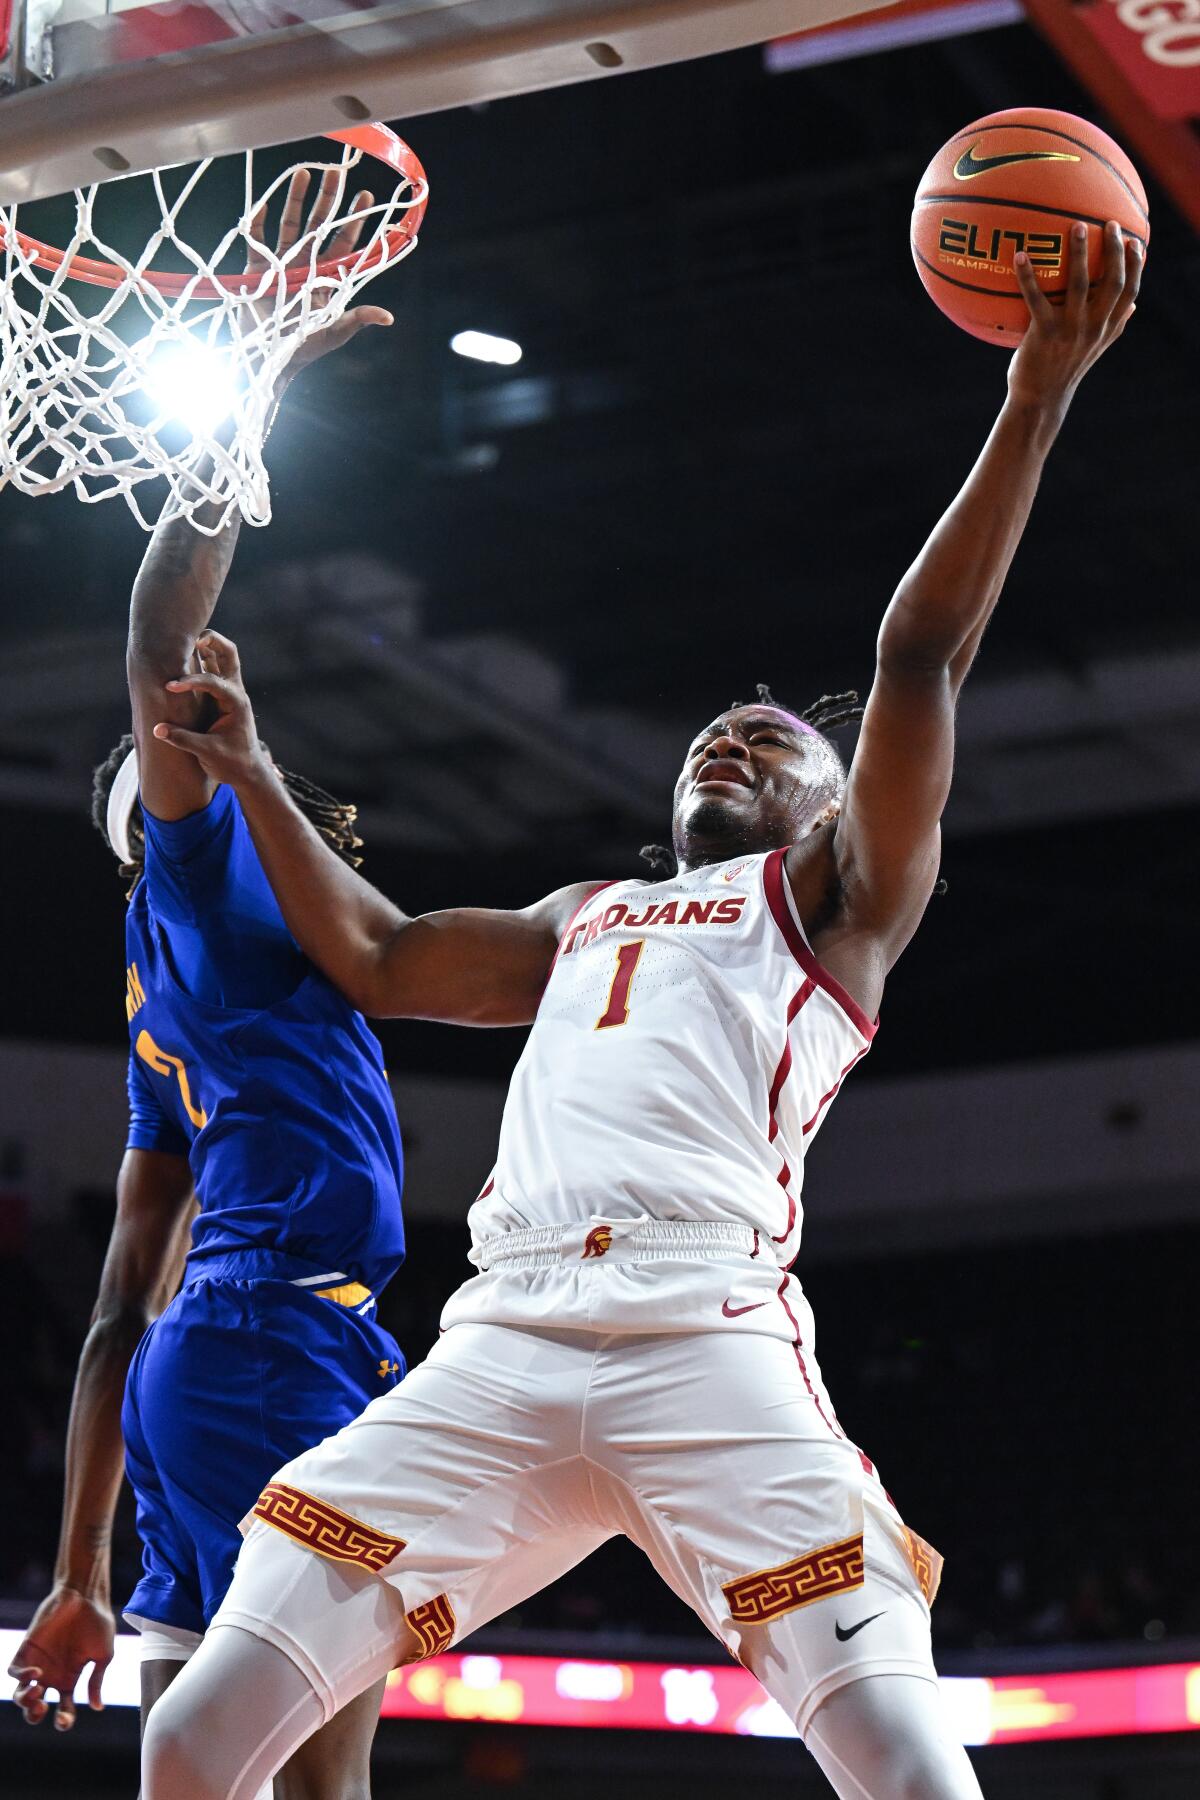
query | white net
(163,366)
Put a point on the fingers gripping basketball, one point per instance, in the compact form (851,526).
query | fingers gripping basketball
(1017,181)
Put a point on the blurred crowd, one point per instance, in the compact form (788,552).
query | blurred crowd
(1027,1406)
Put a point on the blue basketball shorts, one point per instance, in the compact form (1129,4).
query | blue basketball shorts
(239,1375)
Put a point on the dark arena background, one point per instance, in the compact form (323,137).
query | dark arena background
(492,608)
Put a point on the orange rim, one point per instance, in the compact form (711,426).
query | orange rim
(378,141)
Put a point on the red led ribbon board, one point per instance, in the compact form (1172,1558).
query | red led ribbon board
(637,1696)
(657,1696)
(1141,61)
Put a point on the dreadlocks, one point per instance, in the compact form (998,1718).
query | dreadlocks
(824,715)
(103,776)
(333,819)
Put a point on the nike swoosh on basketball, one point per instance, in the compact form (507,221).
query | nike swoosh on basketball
(843,1636)
(969,165)
(735,1312)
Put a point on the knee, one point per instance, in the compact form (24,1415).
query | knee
(943,1776)
(886,1737)
(927,1763)
(318,1778)
(293,1784)
(173,1758)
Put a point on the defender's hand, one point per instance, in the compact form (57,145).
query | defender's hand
(229,750)
(1063,342)
(343,244)
(68,1632)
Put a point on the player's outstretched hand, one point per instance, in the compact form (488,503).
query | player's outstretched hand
(293,228)
(68,1632)
(229,750)
(1063,342)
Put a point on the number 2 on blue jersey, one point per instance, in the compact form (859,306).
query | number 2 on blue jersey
(163,1063)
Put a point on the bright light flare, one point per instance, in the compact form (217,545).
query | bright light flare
(481,346)
(192,385)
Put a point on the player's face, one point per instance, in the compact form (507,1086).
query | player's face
(753,780)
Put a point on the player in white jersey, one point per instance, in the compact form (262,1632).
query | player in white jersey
(633,1355)
(684,1117)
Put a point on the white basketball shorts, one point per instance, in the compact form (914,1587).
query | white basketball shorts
(517,1448)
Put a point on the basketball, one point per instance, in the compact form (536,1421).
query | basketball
(1013,181)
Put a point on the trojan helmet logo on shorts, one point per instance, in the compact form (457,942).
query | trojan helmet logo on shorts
(597,1241)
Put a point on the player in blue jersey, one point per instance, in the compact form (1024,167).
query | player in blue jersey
(259,1107)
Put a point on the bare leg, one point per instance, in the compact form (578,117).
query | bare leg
(886,1737)
(156,1679)
(335,1762)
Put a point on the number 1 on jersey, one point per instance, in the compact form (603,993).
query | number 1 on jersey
(617,1010)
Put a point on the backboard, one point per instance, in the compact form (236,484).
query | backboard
(100,88)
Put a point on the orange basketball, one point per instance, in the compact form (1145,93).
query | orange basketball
(1017,181)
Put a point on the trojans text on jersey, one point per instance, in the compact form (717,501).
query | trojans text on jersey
(725,911)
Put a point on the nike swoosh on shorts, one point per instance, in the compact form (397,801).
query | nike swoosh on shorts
(735,1312)
(844,1636)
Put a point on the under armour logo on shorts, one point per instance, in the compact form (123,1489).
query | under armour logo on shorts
(597,1241)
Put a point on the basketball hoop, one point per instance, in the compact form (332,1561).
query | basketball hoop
(78,407)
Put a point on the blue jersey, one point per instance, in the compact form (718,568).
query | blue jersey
(246,1060)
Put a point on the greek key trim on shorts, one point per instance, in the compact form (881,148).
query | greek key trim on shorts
(324,1528)
(927,1565)
(433,1625)
(756,1599)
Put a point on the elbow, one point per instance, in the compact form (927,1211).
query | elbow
(119,1323)
(365,989)
(147,674)
(155,654)
(375,986)
(147,665)
(364,996)
(912,651)
(376,996)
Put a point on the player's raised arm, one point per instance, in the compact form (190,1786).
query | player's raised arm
(73,1627)
(184,570)
(467,966)
(177,587)
(887,839)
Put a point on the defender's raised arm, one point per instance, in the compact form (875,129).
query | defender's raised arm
(184,570)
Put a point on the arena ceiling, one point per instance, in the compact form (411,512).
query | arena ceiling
(494,603)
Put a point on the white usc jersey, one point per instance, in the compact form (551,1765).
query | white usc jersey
(685,1051)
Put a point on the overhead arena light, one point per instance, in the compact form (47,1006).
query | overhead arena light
(193,385)
(481,346)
